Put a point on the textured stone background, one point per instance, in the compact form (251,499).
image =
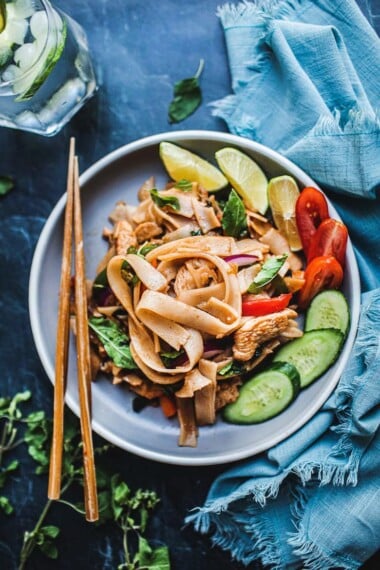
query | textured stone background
(139,48)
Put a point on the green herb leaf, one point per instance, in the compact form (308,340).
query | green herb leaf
(50,530)
(184,185)
(187,97)
(146,248)
(114,340)
(168,357)
(163,201)
(6,185)
(100,281)
(234,221)
(152,559)
(49,549)
(267,273)
(233,368)
(6,506)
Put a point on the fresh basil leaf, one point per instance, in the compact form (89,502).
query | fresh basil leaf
(6,184)
(234,221)
(267,273)
(114,340)
(163,201)
(187,97)
(184,185)
(233,368)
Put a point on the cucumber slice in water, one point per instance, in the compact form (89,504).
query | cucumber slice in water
(329,309)
(312,354)
(265,395)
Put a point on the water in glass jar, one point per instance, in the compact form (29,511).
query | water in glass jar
(46,73)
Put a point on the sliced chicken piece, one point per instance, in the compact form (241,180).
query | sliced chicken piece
(122,211)
(255,331)
(124,237)
(144,190)
(147,231)
(227,391)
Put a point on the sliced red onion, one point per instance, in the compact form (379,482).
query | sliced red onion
(241,259)
(211,353)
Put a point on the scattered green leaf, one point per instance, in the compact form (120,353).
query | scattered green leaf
(128,510)
(6,185)
(234,221)
(163,201)
(187,97)
(267,273)
(114,340)
(184,185)
(233,368)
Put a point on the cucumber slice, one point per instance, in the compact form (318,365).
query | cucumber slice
(265,395)
(329,309)
(312,354)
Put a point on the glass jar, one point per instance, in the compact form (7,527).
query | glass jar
(46,73)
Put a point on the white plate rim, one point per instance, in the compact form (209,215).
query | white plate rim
(91,172)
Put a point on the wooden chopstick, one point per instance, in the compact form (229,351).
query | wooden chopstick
(83,359)
(73,217)
(62,338)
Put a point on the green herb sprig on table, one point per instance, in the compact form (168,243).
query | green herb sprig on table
(129,511)
(187,97)
(6,185)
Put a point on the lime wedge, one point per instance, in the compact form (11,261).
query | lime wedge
(3,15)
(282,194)
(183,164)
(245,176)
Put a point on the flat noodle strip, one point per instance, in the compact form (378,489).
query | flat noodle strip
(232,293)
(151,374)
(151,278)
(119,287)
(172,333)
(202,294)
(144,347)
(215,245)
(158,303)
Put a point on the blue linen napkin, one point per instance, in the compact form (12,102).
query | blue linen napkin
(305,77)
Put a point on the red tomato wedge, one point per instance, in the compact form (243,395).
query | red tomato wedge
(311,210)
(257,305)
(323,272)
(329,239)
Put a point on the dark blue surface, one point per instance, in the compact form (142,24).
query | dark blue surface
(140,49)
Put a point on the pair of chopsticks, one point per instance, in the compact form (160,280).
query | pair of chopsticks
(73,226)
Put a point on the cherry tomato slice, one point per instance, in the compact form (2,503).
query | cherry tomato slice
(311,210)
(323,272)
(329,239)
(257,306)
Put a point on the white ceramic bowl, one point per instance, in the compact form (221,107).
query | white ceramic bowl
(117,177)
